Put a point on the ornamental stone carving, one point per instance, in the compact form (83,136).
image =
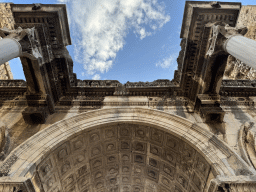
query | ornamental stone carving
(220,32)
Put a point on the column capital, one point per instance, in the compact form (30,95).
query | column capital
(228,31)
(220,33)
(27,40)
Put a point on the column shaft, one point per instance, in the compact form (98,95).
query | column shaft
(9,49)
(243,49)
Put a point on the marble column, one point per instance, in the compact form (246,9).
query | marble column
(242,48)
(9,49)
(14,44)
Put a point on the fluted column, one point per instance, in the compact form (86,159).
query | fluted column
(9,49)
(18,43)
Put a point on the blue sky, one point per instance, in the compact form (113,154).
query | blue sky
(125,40)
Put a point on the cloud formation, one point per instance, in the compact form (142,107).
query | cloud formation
(168,62)
(100,27)
(96,77)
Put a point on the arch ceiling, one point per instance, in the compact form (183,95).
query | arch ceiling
(124,149)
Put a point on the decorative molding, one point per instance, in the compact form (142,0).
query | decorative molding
(239,83)
(237,101)
(98,83)
(13,83)
(20,184)
(156,83)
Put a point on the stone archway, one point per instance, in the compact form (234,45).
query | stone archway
(124,149)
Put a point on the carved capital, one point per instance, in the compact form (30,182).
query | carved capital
(220,33)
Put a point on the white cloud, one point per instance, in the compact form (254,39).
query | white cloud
(100,27)
(63,1)
(167,62)
(96,77)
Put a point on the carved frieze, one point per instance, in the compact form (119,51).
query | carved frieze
(156,83)
(242,88)
(97,83)
(13,83)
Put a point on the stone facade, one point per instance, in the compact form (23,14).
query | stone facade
(190,134)
(6,20)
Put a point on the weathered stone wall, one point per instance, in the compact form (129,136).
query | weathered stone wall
(6,20)
(5,71)
(236,69)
